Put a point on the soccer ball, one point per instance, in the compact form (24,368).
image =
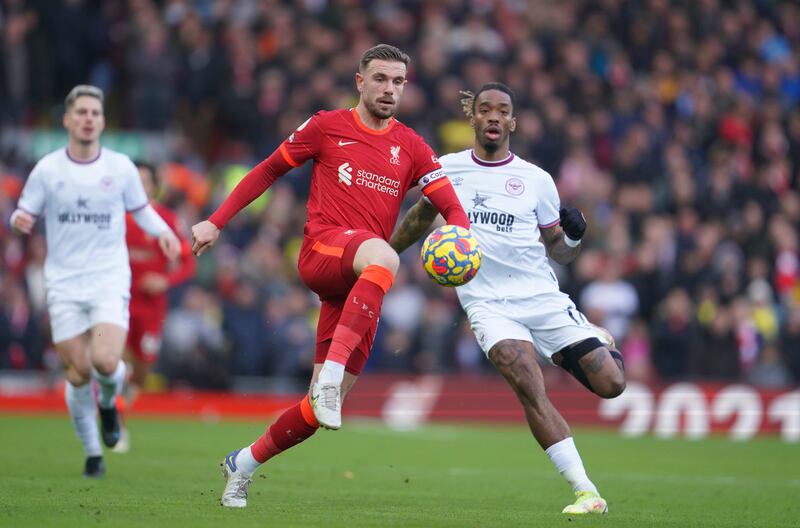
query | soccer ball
(451,256)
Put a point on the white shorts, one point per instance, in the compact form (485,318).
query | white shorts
(70,318)
(550,321)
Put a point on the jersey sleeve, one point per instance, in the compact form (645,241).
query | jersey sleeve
(305,142)
(428,172)
(547,210)
(133,194)
(34,193)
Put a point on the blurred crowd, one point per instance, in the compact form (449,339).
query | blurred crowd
(673,125)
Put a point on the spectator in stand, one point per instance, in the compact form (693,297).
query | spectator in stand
(678,138)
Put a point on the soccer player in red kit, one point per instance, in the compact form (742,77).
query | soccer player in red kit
(365,161)
(151,276)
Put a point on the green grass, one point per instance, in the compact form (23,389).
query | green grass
(367,475)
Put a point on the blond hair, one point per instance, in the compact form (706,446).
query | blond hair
(81,90)
(467,102)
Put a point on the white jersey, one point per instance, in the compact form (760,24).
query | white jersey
(507,203)
(84,205)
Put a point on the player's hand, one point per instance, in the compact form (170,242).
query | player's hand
(170,245)
(573,223)
(22,222)
(204,235)
(154,283)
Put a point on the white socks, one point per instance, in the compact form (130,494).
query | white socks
(332,373)
(567,461)
(80,402)
(245,461)
(110,385)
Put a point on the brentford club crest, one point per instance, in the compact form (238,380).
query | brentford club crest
(395,153)
(107,183)
(515,187)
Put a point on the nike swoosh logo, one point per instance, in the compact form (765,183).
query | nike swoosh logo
(343,143)
(231,460)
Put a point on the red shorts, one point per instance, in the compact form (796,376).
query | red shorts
(144,336)
(326,267)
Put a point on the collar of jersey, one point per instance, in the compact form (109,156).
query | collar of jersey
(83,162)
(369,130)
(485,163)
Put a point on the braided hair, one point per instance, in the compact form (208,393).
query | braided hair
(467,102)
(469,98)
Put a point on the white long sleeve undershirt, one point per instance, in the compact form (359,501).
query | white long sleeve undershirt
(148,219)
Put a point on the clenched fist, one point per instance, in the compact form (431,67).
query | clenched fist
(573,223)
(204,235)
(22,222)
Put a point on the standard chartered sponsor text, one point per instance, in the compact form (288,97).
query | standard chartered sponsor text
(380,183)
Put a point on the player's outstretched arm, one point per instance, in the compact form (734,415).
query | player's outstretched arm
(563,240)
(22,222)
(253,185)
(415,223)
(258,180)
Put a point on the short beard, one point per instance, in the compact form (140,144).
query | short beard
(373,109)
(491,147)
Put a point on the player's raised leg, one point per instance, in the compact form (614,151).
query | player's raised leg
(107,342)
(516,361)
(375,263)
(80,401)
(292,427)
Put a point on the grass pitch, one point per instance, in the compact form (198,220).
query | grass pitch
(367,475)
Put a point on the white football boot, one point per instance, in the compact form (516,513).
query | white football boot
(237,482)
(326,400)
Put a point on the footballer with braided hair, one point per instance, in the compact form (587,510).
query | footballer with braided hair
(514,304)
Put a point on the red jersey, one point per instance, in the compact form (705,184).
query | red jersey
(147,257)
(360,175)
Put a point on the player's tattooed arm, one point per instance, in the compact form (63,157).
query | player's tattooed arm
(415,223)
(557,248)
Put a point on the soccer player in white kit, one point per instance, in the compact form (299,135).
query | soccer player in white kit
(83,191)
(514,303)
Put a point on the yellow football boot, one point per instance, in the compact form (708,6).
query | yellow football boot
(586,502)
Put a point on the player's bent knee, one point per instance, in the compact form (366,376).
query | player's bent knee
(77,369)
(610,387)
(376,252)
(105,362)
(387,259)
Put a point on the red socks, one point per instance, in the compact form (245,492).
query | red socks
(362,307)
(292,427)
